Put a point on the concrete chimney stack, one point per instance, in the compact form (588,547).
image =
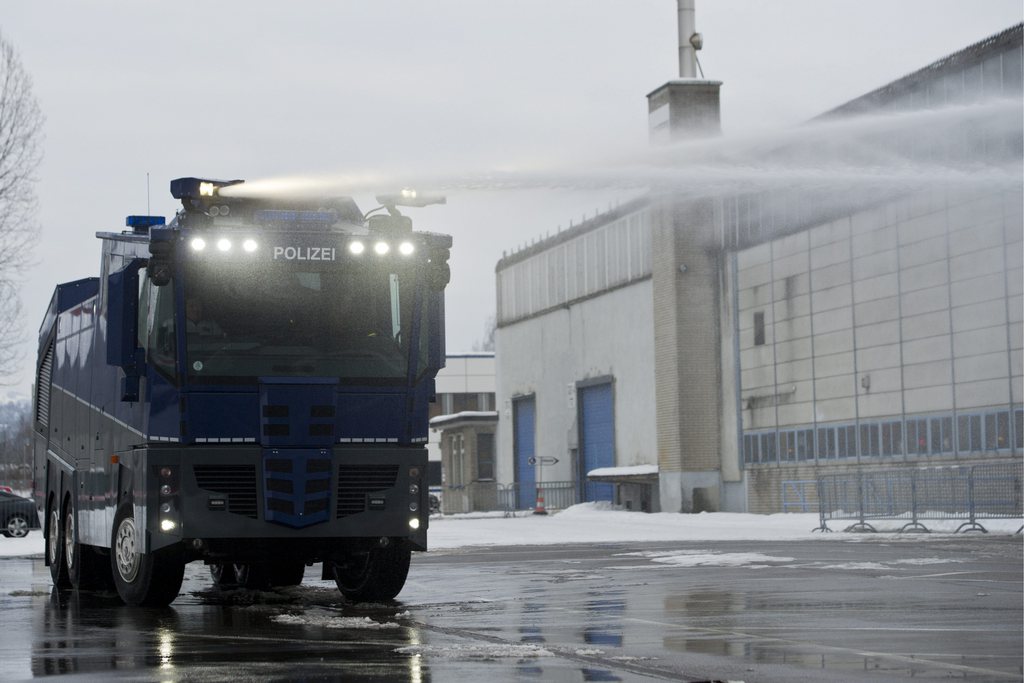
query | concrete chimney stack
(688,107)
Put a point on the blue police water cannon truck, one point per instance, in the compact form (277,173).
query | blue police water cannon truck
(247,386)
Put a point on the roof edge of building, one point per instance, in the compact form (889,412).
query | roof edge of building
(975,51)
(575,231)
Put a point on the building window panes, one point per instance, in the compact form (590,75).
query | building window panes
(892,438)
(751,448)
(759,328)
(805,444)
(846,441)
(969,433)
(768,447)
(941,435)
(485,457)
(919,436)
(787,441)
(826,442)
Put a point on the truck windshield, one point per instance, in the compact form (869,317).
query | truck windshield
(297,319)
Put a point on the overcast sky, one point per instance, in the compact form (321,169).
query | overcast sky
(259,89)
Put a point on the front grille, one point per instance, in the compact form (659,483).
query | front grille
(237,482)
(278,465)
(286,507)
(321,411)
(317,485)
(281,486)
(356,481)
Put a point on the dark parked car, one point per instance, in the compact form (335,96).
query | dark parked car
(17,515)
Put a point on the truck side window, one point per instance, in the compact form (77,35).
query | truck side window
(162,336)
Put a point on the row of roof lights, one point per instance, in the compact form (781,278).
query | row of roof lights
(380,248)
(356,247)
(224,244)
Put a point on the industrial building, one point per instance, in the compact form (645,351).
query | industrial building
(719,352)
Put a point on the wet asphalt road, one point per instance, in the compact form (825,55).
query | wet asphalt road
(878,608)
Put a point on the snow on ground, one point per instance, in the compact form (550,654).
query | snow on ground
(327,620)
(474,652)
(706,558)
(22,547)
(600,523)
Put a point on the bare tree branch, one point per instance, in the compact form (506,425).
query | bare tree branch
(21,140)
(487,343)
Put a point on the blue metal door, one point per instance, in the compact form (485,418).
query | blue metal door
(524,421)
(597,437)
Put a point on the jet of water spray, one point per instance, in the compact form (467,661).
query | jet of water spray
(967,145)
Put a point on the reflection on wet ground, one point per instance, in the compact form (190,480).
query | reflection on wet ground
(575,613)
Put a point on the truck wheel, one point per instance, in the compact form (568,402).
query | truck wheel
(223,575)
(16,527)
(142,579)
(87,568)
(374,575)
(287,572)
(252,576)
(55,548)
(71,549)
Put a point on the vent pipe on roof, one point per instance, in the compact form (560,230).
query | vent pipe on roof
(687,29)
(687,107)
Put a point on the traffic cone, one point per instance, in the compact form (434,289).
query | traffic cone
(539,508)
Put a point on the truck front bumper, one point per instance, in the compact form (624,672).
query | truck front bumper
(247,492)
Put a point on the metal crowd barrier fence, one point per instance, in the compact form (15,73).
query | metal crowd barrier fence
(486,496)
(960,492)
(796,495)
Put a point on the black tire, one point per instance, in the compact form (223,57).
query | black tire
(150,579)
(374,575)
(223,575)
(72,551)
(252,576)
(286,572)
(17,526)
(87,568)
(55,546)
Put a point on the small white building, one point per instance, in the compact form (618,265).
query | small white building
(466,383)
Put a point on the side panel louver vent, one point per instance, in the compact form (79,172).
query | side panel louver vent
(356,481)
(43,387)
(237,482)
